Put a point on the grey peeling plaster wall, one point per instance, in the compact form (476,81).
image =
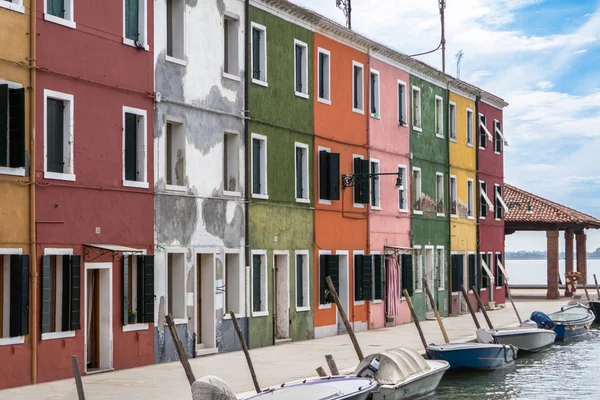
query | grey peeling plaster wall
(165,351)
(227,339)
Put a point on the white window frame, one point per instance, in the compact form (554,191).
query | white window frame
(304,94)
(452,121)
(416,116)
(439,116)
(405,102)
(442,267)
(236,77)
(496,127)
(18,171)
(264,173)
(321,253)
(239,185)
(326,78)
(437,195)
(173,59)
(68,21)
(469,127)
(359,205)
(418,269)
(17,339)
(305,277)
(471,199)
(404,189)
(354,254)
(254,25)
(170,119)
(143,159)
(306,167)
(68,136)
(478,131)
(264,281)
(356,64)
(319,150)
(455,193)
(16,5)
(142,24)
(377,184)
(377,89)
(418,189)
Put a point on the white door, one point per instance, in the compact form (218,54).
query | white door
(205,302)
(98,316)
(429,276)
(282,287)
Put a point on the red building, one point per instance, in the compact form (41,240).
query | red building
(490,167)
(94,186)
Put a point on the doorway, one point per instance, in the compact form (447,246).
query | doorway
(429,277)
(205,302)
(343,294)
(98,317)
(282,295)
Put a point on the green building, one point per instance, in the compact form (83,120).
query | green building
(280,139)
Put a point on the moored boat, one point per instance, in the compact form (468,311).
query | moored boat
(474,355)
(568,322)
(595,306)
(525,337)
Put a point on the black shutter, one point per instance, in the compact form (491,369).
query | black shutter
(484,276)
(373,108)
(145,289)
(499,274)
(255,54)
(334,175)
(453,273)
(461,270)
(379,277)
(323,175)
(46,294)
(358,268)
(19,295)
(299,281)
(482,134)
(4,125)
(127,267)
(71,293)
(256,282)
(363,185)
(407,273)
(55,135)
(323,272)
(256,183)
(355,94)
(472,267)
(358,184)
(299,174)
(298,68)
(321,77)
(457,271)
(16,100)
(367,278)
(334,274)
(401,119)
(131,147)
(482,203)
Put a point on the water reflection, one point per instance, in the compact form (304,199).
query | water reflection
(568,370)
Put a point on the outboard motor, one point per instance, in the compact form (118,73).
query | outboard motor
(542,320)
(369,370)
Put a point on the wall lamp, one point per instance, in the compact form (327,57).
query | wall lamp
(349,180)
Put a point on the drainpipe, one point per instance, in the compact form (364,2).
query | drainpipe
(368,114)
(476,144)
(448,248)
(247,158)
(33,337)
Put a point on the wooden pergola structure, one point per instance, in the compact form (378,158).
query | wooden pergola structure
(528,212)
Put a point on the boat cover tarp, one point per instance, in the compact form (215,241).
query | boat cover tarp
(570,314)
(212,388)
(395,365)
(542,320)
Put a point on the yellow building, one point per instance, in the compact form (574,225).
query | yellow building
(15,187)
(462,190)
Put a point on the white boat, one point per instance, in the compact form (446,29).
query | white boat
(527,337)
(402,373)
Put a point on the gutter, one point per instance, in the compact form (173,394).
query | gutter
(476,212)
(246,160)
(448,249)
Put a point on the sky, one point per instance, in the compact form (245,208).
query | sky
(541,56)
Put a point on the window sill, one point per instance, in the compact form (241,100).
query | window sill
(453,216)
(357,205)
(481,217)
(176,188)
(136,184)
(260,314)
(453,140)
(497,153)
(176,60)
(237,315)
(131,43)
(59,176)
(324,306)
(470,145)
(14,7)
(12,171)
(323,201)
(498,219)
(482,148)
(303,95)
(178,321)
(418,290)
(358,111)
(58,335)
(259,82)
(12,340)
(376,116)
(359,303)
(376,301)
(441,289)
(402,124)
(440,214)
(376,208)
(324,101)
(231,194)
(232,77)
(135,327)
(417,128)
(260,196)
(438,135)
(403,210)
(60,21)
(417,212)
(306,201)
(471,217)
(302,309)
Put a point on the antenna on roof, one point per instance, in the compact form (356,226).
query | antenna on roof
(442,45)
(346,7)
(459,57)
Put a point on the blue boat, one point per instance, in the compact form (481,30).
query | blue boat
(571,321)
(474,355)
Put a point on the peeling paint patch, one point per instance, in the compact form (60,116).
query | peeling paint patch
(220,6)
(177,219)
(215,221)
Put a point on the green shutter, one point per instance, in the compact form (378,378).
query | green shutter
(299,174)
(299,68)
(145,273)
(256,36)
(55,135)
(256,282)
(367,278)
(256,183)
(132,19)
(19,295)
(407,273)
(46,292)
(16,99)
(4,125)
(358,267)
(125,286)
(379,276)
(299,281)
(75,291)
(131,122)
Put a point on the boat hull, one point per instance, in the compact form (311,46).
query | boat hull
(417,386)
(564,332)
(530,340)
(572,321)
(595,306)
(474,355)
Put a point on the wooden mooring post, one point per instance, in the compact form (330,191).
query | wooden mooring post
(435,311)
(245,349)
(469,306)
(349,329)
(512,302)
(332,365)
(77,376)
(415,319)
(180,351)
(482,308)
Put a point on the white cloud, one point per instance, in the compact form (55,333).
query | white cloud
(582,51)
(545,85)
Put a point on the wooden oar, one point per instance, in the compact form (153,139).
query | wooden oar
(512,302)
(587,295)
(246,352)
(482,308)
(597,289)
(466,296)
(180,351)
(435,311)
(416,320)
(338,303)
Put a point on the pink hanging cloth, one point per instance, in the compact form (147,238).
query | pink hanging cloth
(393,286)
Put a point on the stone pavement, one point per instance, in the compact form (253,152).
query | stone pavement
(273,365)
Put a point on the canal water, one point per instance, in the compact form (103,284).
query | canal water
(569,370)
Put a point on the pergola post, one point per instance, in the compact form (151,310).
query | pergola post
(569,235)
(581,255)
(552,259)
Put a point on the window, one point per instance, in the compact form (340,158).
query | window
(457,269)
(324,72)
(231,26)
(416,186)
(60,12)
(134,147)
(406,274)
(441,267)
(61,293)
(497,137)
(12,128)
(234,278)
(402,120)
(368,277)
(15,5)
(453,197)
(14,296)
(498,206)
(483,200)
(175,30)
(329,175)
(402,193)
(175,165)
(486,270)
(301,68)
(361,187)
(439,193)
(329,265)
(473,276)
(134,25)
(375,185)
(231,158)
(418,260)
(416,108)
(469,127)
(357,87)
(452,121)
(302,281)
(374,90)
(259,282)
(439,116)
(259,54)
(58,135)
(176,285)
(499,272)
(482,131)
(470,198)
(302,191)
(259,166)
(138,289)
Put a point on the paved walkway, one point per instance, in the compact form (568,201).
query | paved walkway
(273,365)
